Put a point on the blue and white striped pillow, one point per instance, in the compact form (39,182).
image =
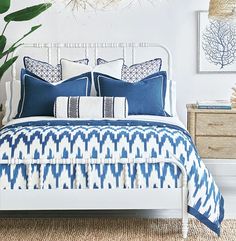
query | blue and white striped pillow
(91,107)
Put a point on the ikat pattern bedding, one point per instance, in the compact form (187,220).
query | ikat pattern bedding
(97,154)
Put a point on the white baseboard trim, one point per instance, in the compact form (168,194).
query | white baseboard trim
(163,214)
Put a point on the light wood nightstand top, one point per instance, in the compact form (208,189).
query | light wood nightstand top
(193,108)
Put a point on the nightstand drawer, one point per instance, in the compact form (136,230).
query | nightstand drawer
(215,124)
(216,147)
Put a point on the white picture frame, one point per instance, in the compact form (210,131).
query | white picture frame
(210,51)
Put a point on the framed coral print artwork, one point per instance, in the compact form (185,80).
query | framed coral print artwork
(216,45)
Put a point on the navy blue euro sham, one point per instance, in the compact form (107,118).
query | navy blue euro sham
(38,96)
(146,97)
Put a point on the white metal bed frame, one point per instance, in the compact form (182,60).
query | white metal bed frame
(96,48)
(90,199)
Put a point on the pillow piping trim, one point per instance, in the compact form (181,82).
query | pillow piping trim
(162,84)
(78,62)
(23,84)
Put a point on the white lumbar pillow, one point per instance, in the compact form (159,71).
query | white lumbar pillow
(71,69)
(13,92)
(91,107)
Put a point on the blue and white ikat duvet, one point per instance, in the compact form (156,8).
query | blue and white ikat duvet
(78,154)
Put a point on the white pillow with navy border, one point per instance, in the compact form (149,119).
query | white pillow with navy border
(111,68)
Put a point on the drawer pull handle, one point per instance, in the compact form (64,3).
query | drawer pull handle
(214,148)
(215,124)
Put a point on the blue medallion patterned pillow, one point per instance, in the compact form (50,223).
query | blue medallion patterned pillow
(45,70)
(38,96)
(137,72)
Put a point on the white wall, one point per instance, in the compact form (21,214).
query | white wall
(171,22)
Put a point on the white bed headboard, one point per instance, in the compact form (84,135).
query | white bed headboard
(131,52)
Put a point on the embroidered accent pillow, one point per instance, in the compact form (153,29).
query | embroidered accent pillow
(91,107)
(45,70)
(138,71)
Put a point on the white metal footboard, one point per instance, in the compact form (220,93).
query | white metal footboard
(100,199)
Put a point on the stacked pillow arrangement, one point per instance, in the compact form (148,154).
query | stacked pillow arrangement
(69,89)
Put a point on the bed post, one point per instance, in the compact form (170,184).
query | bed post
(184,194)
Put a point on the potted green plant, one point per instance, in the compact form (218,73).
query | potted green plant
(25,14)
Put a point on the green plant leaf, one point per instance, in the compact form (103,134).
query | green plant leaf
(4,5)
(15,46)
(3,42)
(34,28)
(27,13)
(10,50)
(6,66)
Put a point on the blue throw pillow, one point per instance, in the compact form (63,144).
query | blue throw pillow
(25,71)
(38,96)
(146,97)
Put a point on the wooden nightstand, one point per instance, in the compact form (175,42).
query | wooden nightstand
(213,131)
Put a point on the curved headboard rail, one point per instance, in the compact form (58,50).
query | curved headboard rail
(55,48)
